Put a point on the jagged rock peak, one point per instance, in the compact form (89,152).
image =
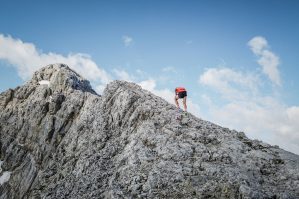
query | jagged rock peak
(116,84)
(60,77)
(58,139)
(124,86)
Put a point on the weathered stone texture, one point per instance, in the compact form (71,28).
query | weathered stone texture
(62,140)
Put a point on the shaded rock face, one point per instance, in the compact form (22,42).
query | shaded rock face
(60,139)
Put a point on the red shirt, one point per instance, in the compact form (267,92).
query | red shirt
(180,89)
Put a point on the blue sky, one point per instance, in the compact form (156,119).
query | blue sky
(202,45)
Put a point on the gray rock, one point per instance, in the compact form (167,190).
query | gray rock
(62,140)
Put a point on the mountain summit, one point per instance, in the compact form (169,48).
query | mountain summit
(60,139)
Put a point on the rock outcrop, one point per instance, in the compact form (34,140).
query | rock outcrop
(59,139)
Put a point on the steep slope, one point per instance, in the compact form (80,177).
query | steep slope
(59,139)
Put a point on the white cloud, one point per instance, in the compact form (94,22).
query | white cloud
(229,82)
(149,84)
(293,113)
(127,40)
(170,69)
(267,59)
(26,58)
(261,116)
(246,107)
(258,44)
(100,88)
(123,75)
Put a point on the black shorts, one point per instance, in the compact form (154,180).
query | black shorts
(182,94)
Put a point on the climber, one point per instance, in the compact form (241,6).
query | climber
(180,92)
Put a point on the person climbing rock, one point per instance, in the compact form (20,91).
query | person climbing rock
(181,93)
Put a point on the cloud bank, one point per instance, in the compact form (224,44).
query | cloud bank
(246,107)
(267,59)
(26,58)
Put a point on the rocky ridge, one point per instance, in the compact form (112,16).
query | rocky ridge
(59,139)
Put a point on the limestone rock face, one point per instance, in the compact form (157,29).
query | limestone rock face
(59,139)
